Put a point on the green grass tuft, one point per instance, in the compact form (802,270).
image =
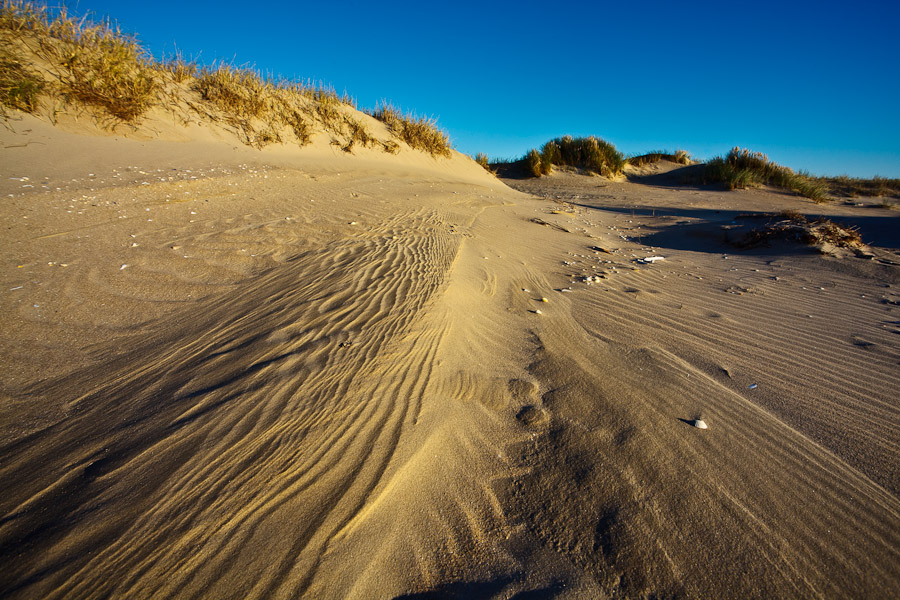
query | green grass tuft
(743,168)
(590,153)
(681,157)
(533,163)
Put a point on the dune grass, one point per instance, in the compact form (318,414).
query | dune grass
(681,157)
(854,187)
(20,87)
(589,153)
(418,132)
(93,63)
(482,159)
(95,66)
(742,168)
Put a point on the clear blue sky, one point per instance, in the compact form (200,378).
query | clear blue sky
(815,85)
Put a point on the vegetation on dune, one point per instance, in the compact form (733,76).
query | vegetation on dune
(91,63)
(482,159)
(681,157)
(95,66)
(20,86)
(533,163)
(742,168)
(853,187)
(589,153)
(418,132)
(792,226)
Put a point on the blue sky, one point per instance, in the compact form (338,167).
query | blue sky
(815,85)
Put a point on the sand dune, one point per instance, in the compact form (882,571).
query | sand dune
(233,373)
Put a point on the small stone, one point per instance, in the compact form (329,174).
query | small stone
(700,424)
(544,300)
(538,312)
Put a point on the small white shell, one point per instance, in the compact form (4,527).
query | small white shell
(700,424)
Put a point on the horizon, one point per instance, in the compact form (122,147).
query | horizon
(657,85)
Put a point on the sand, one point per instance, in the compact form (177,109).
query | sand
(233,373)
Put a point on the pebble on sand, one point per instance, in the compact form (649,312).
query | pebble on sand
(700,424)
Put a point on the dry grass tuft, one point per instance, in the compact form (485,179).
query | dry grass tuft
(238,92)
(792,226)
(418,132)
(482,159)
(95,65)
(20,87)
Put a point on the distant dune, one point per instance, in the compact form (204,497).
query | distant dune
(324,368)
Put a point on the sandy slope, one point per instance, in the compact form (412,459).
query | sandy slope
(323,375)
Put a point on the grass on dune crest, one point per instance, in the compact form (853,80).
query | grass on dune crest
(742,168)
(681,157)
(482,159)
(853,187)
(50,60)
(91,63)
(418,132)
(590,154)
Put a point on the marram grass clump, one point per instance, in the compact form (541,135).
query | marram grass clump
(589,153)
(418,132)
(854,187)
(91,64)
(20,87)
(743,168)
(49,61)
(682,157)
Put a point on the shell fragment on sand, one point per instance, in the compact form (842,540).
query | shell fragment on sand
(700,424)
(650,260)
